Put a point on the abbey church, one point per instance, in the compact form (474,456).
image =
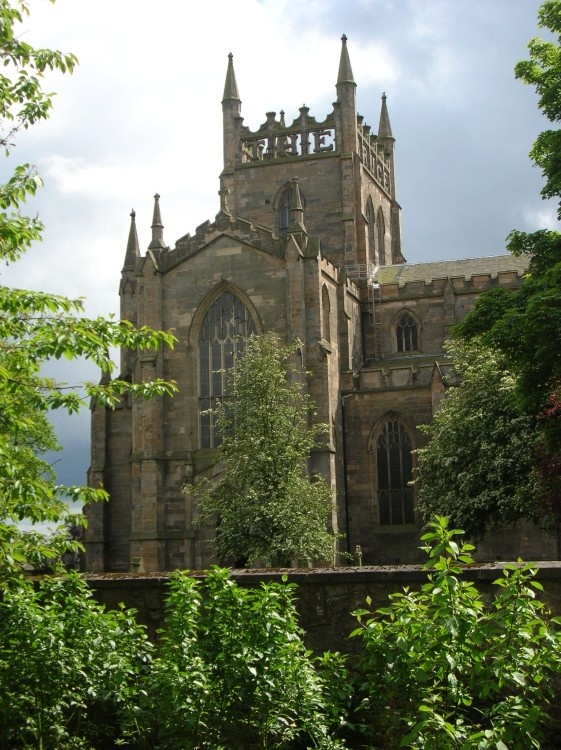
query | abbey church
(307,244)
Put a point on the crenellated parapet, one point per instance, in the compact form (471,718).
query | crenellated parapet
(460,285)
(307,137)
(352,288)
(469,276)
(243,230)
(275,140)
(374,155)
(330,270)
(393,377)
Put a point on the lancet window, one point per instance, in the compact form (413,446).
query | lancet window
(371,231)
(407,333)
(284,208)
(394,471)
(225,328)
(326,314)
(381,227)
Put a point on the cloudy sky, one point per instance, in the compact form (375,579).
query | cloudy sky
(142,114)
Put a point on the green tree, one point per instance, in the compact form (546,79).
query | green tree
(525,325)
(36,327)
(478,467)
(266,506)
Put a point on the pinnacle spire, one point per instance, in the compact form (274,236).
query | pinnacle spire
(345,71)
(296,210)
(384,128)
(133,248)
(231,87)
(157,227)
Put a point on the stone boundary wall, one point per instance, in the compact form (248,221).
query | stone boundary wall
(325,597)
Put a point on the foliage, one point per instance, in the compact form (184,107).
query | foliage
(233,672)
(69,670)
(543,70)
(479,465)
(36,327)
(267,507)
(442,669)
(524,326)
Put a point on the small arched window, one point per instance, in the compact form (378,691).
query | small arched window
(371,231)
(284,208)
(326,314)
(394,472)
(407,333)
(225,328)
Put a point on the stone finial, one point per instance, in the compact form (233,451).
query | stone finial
(157,227)
(296,199)
(230,86)
(223,217)
(133,248)
(345,71)
(223,193)
(384,128)
(296,211)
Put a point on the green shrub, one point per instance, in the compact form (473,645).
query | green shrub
(233,671)
(68,668)
(443,669)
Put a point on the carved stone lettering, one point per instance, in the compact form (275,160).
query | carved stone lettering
(319,141)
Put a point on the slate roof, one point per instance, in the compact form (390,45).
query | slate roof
(442,269)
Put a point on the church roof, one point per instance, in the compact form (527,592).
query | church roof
(442,269)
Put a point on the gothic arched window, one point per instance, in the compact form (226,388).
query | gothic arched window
(225,328)
(326,314)
(394,471)
(381,226)
(407,333)
(371,231)
(284,208)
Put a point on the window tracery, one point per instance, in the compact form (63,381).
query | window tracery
(226,327)
(394,471)
(407,333)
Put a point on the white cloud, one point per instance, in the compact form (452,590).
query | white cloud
(542,218)
(142,115)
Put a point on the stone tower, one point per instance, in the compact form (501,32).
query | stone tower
(346,173)
(306,244)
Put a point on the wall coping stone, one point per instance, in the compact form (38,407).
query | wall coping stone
(547,569)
